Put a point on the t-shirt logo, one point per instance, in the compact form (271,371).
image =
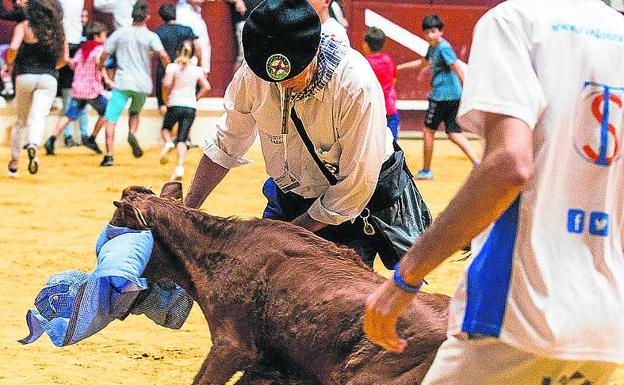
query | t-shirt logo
(598,126)
(278,67)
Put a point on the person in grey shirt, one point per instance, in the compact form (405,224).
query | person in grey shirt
(133,47)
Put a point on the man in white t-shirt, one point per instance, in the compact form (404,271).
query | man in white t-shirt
(329,25)
(543,300)
(189,13)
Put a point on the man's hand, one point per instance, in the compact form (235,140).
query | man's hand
(383,309)
(307,222)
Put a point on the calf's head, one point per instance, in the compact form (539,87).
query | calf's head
(132,211)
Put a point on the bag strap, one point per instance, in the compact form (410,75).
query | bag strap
(331,178)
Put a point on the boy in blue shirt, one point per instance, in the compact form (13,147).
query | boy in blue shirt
(447,78)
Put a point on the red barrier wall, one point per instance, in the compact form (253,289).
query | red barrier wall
(458,21)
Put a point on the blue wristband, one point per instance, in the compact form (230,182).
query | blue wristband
(400,282)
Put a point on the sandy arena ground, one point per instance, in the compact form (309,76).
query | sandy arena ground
(50,222)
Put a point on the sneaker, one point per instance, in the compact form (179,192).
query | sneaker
(11,172)
(424,175)
(33,161)
(49,145)
(90,143)
(164,153)
(178,173)
(69,142)
(136,149)
(107,161)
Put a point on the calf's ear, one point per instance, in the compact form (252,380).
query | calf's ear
(128,215)
(173,191)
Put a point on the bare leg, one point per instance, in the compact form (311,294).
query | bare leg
(110,137)
(181,149)
(133,123)
(98,126)
(429,137)
(166,135)
(60,126)
(462,142)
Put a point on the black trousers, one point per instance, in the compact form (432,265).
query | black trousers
(397,225)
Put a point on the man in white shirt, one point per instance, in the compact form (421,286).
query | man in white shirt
(333,167)
(121,10)
(189,13)
(542,303)
(329,25)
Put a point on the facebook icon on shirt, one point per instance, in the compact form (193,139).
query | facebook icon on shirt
(576,221)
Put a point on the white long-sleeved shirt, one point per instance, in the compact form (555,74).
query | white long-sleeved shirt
(121,10)
(191,16)
(346,121)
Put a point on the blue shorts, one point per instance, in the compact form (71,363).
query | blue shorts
(76,106)
(118,101)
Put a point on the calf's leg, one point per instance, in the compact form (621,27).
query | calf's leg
(223,361)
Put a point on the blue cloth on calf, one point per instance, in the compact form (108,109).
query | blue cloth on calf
(74,305)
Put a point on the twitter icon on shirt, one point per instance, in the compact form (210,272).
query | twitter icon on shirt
(599,224)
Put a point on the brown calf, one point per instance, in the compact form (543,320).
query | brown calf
(283,305)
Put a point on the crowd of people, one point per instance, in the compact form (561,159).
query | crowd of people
(542,301)
(106,71)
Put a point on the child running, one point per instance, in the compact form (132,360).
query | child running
(179,85)
(87,87)
(386,72)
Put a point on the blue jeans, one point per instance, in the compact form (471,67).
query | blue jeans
(83,120)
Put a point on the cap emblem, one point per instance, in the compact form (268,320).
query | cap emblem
(278,67)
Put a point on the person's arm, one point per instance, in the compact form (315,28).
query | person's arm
(106,78)
(236,132)
(455,67)
(415,64)
(110,47)
(204,87)
(102,60)
(163,57)
(490,189)
(167,83)
(198,51)
(207,177)
(362,142)
(64,60)
(307,222)
(239,6)
(16,42)
(505,117)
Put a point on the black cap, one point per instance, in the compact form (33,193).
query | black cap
(281,38)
